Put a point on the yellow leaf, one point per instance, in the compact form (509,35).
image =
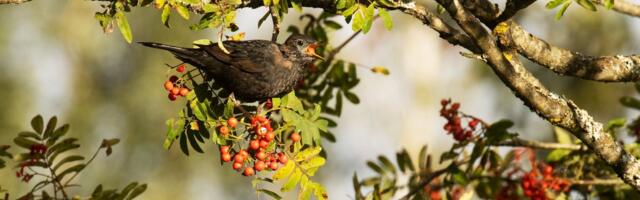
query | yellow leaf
(236,37)
(194,126)
(508,56)
(380,70)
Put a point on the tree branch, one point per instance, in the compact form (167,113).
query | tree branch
(551,107)
(276,24)
(511,8)
(564,62)
(541,145)
(13,1)
(624,7)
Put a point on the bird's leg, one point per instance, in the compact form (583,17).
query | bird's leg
(238,105)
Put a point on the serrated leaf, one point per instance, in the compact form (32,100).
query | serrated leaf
(608,4)
(386,18)
(320,192)
(587,4)
(37,124)
(123,25)
(284,171)
(166,12)
(67,160)
(555,3)
(184,13)
(270,193)
(137,191)
(560,12)
(308,153)
(292,182)
(75,169)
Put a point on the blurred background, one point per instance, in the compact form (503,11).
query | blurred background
(55,60)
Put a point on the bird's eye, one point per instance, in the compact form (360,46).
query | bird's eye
(300,42)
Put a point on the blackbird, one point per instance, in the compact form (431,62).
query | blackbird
(253,70)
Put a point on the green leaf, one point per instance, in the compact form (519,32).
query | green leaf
(422,158)
(557,155)
(184,13)
(137,191)
(37,124)
(555,3)
(387,164)
(386,18)
(560,12)
(75,169)
(368,17)
(615,124)
(351,10)
(358,20)
(123,25)
(166,11)
(29,134)
(562,136)
(375,167)
(284,171)
(51,125)
(459,177)
(291,101)
(587,4)
(24,142)
(630,102)
(270,193)
(608,4)
(292,182)
(353,98)
(332,24)
(228,109)
(67,160)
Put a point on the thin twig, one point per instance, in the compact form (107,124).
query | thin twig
(86,164)
(13,1)
(276,24)
(517,142)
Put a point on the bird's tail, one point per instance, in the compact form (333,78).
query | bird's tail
(195,57)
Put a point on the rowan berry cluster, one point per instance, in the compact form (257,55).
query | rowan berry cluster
(454,118)
(174,85)
(36,152)
(535,186)
(261,152)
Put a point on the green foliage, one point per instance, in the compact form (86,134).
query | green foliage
(586,4)
(47,149)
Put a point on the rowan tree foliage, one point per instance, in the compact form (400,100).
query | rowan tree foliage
(279,141)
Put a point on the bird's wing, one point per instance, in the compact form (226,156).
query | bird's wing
(251,56)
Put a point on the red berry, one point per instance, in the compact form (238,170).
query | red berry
(184,91)
(173,79)
(224,149)
(175,91)
(236,165)
(232,122)
(224,130)
(244,153)
(226,157)
(180,68)
(455,106)
(473,123)
(238,158)
(273,165)
(283,159)
(261,155)
(254,144)
(168,85)
(264,144)
(547,170)
(444,102)
(248,171)
(295,137)
(259,165)
(269,136)
(172,97)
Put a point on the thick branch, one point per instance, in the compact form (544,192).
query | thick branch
(565,62)
(551,107)
(624,7)
(541,145)
(13,1)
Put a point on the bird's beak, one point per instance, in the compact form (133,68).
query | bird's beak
(311,50)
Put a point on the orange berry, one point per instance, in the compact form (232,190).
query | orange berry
(175,91)
(254,144)
(224,130)
(261,155)
(233,122)
(224,149)
(248,171)
(283,159)
(237,166)
(168,85)
(273,165)
(259,165)
(226,157)
(184,91)
(295,137)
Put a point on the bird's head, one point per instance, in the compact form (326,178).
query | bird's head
(304,46)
